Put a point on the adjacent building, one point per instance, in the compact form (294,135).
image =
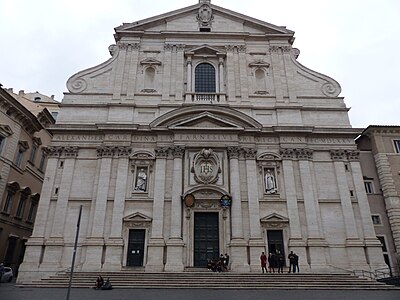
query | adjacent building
(380,162)
(23,137)
(202,135)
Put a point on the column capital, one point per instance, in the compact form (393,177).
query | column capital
(353,155)
(249,153)
(124,151)
(178,151)
(233,152)
(161,152)
(305,154)
(105,151)
(53,151)
(338,154)
(287,153)
(71,152)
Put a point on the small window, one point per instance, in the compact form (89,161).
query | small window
(382,240)
(346,167)
(8,204)
(2,142)
(369,188)
(56,191)
(397,146)
(351,193)
(205,29)
(37,99)
(376,220)
(32,211)
(42,161)
(33,154)
(19,157)
(21,205)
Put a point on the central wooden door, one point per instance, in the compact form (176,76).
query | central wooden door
(206,237)
(136,247)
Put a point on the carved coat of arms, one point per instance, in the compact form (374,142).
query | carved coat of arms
(205,16)
(206,167)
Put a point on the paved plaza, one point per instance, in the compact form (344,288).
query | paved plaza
(9,291)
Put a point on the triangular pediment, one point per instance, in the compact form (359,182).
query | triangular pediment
(205,49)
(137,217)
(151,62)
(274,218)
(206,120)
(187,19)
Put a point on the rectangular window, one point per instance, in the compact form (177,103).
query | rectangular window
(397,146)
(32,211)
(2,142)
(376,220)
(18,159)
(8,203)
(369,188)
(21,206)
(42,161)
(33,154)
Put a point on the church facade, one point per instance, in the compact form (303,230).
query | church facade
(202,135)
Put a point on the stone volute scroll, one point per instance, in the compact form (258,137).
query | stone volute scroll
(206,166)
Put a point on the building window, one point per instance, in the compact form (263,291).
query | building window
(42,161)
(397,146)
(2,142)
(369,188)
(21,205)
(376,219)
(205,78)
(351,193)
(33,154)
(19,157)
(32,211)
(8,204)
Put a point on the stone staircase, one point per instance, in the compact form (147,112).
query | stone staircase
(211,280)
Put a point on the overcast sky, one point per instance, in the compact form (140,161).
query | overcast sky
(356,42)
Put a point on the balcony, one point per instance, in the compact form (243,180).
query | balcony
(205,98)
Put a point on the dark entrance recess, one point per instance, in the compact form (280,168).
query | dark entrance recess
(136,247)
(275,242)
(206,237)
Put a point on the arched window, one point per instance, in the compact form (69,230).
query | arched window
(260,80)
(205,78)
(150,74)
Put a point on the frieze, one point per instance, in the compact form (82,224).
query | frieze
(206,137)
(78,138)
(292,139)
(278,49)
(353,155)
(117,137)
(287,153)
(207,204)
(343,141)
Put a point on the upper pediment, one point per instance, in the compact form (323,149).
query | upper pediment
(199,17)
(205,50)
(207,121)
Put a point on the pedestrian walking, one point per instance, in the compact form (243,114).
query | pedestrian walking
(263,259)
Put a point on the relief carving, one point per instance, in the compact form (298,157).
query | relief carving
(206,167)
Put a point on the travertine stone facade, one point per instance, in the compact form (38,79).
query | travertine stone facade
(201,135)
(380,162)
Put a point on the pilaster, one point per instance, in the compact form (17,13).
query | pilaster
(237,245)
(175,243)
(132,73)
(156,242)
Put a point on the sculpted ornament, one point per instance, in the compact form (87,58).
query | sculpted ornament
(206,167)
(205,16)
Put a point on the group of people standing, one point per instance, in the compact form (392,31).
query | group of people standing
(278,261)
(219,265)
